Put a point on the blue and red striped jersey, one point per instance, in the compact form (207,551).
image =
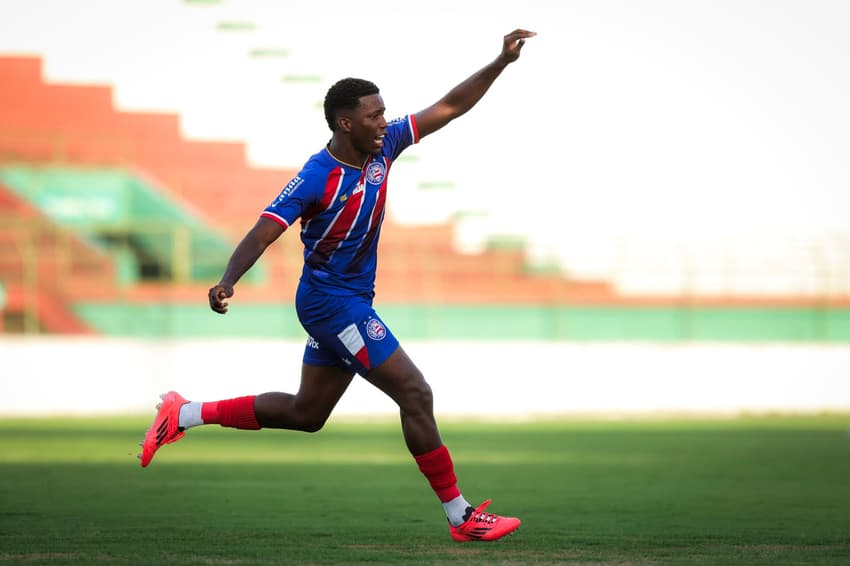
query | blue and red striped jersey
(341,209)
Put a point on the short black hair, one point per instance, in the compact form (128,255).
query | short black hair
(345,95)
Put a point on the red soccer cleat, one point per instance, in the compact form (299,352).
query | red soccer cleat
(164,429)
(484,526)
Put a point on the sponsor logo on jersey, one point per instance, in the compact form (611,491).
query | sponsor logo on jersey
(375,330)
(358,189)
(287,190)
(376,172)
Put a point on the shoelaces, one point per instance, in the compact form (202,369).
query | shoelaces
(483,517)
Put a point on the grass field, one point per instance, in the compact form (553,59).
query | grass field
(754,490)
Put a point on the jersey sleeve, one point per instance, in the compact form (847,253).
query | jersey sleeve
(401,134)
(297,197)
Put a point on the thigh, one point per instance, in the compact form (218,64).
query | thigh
(322,386)
(398,377)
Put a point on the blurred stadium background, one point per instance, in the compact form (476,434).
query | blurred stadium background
(649,212)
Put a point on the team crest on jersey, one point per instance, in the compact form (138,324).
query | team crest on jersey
(375,330)
(376,172)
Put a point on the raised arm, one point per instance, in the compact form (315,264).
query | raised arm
(465,95)
(251,247)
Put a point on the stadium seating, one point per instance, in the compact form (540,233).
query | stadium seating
(112,208)
(43,268)
(65,150)
(69,144)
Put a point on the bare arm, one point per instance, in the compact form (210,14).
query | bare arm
(465,95)
(251,247)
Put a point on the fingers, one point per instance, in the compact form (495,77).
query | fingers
(517,37)
(518,34)
(218,296)
(514,41)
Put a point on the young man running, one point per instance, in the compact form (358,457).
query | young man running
(340,195)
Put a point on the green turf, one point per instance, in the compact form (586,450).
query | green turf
(756,490)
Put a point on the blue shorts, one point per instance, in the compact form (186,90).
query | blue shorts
(343,331)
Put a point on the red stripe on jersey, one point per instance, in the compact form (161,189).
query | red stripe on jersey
(340,227)
(378,211)
(415,128)
(375,220)
(332,185)
(279,219)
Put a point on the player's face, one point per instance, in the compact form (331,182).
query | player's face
(368,125)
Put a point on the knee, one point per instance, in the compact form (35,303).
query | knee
(417,394)
(312,425)
(423,394)
(311,422)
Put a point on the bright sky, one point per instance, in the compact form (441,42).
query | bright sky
(717,130)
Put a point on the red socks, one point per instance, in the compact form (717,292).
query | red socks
(233,413)
(437,466)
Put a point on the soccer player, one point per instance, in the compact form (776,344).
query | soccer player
(339,195)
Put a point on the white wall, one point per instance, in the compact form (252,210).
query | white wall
(99,376)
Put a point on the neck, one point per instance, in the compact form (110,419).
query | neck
(349,157)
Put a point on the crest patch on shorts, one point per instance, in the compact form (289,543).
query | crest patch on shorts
(375,330)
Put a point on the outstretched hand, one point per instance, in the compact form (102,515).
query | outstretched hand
(513,43)
(218,297)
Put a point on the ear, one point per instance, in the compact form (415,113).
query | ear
(344,124)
